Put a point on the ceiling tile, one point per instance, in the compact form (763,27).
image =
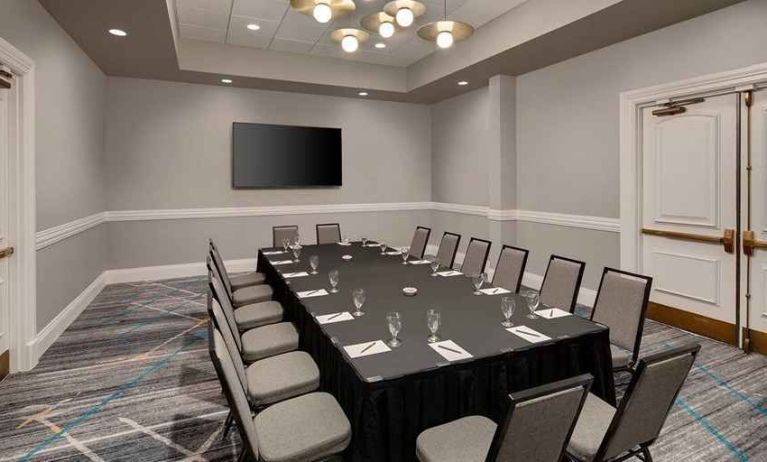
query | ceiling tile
(297,26)
(204,4)
(291,46)
(204,14)
(240,35)
(202,33)
(272,10)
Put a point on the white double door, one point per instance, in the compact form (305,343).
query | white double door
(696,206)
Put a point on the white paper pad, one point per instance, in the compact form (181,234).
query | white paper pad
(375,347)
(312,293)
(393,252)
(335,317)
(552,313)
(372,245)
(419,262)
(345,244)
(299,274)
(450,273)
(274,252)
(526,333)
(450,350)
(495,291)
(282,262)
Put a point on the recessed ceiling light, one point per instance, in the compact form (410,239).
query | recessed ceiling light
(363,93)
(380,45)
(118,32)
(253,27)
(463,83)
(226,80)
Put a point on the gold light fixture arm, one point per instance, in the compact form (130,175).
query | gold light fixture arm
(727,240)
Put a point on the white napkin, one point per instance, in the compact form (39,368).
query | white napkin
(274,252)
(370,348)
(450,273)
(552,313)
(345,244)
(419,262)
(495,291)
(282,262)
(312,293)
(393,252)
(450,350)
(335,317)
(299,274)
(526,333)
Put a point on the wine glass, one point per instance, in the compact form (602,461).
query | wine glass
(432,323)
(314,262)
(434,263)
(405,252)
(508,304)
(358,295)
(296,253)
(364,241)
(533,300)
(345,240)
(333,278)
(477,280)
(285,244)
(383,248)
(394,320)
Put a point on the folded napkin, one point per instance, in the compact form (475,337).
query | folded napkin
(526,333)
(366,349)
(273,252)
(335,317)
(450,273)
(552,313)
(495,291)
(312,293)
(281,262)
(419,262)
(299,274)
(450,350)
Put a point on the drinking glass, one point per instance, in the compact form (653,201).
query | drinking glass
(296,253)
(394,321)
(333,278)
(432,323)
(383,248)
(477,280)
(533,300)
(285,244)
(434,263)
(297,239)
(404,251)
(508,304)
(364,241)
(359,299)
(345,239)
(314,262)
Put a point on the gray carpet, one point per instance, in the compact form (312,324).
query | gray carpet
(131,379)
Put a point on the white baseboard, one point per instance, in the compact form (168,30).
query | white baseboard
(157,273)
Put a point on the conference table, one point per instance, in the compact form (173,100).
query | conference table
(391,396)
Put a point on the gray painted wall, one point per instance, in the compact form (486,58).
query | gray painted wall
(70,95)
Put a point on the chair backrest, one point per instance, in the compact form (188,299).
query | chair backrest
(218,262)
(539,421)
(226,306)
(283,232)
(510,268)
(648,399)
(476,256)
(561,283)
(235,395)
(420,239)
(621,305)
(447,249)
(328,233)
(221,324)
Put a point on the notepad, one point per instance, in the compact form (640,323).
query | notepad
(552,313)
(419,262)
(450,350)
(312,293)
(335,317)
(273,252)
(299,274)
(526,333)
(450,273)
(366,349)
(495,291)
(393,252)
(281,262)
(345,244)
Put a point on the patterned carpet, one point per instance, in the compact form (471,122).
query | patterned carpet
(131,380)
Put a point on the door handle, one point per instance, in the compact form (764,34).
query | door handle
(727,240)
(750,243)
(6,252)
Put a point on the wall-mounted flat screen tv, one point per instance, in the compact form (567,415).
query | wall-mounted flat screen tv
(281,156)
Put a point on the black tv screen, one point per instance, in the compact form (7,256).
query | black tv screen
(274,156)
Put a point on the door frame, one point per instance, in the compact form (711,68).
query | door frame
(22,213)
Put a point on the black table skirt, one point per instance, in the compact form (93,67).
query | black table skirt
(386,417)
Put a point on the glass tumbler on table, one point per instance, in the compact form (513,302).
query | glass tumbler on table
(394,322)
(508,304)
(333,278)
(433,320)
(405,253)
(434,264)
(477,281)
(314,262)
(358,295)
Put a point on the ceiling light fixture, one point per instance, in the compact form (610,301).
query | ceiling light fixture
(118,32)
(323,10)
(226,81)
(380,45)
(463,83)
(445,32)
(322,13)
(350,43)
(445,39)
(386,29)
(253,27)
(349,38)
(405,11)
(380,23)
(363,93)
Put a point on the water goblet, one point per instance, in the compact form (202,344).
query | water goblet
(508,304)
(358,295)
(405,252)
(434,264)
(533,300)
(296,253)
(333,278)
(433,319)
(364,241)
(477,280)
(314,262)
(394,321)
(285,244)
(383,248)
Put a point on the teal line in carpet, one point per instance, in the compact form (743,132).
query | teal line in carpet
(739,395)
(712,430)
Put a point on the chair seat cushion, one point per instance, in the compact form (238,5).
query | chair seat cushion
(258,314)
(249,279)
(252,294)
(281,377)
(464,440)
(621,357)
(310,427)
(590,429)
(266,341)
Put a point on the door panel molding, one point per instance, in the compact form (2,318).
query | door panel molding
(663,277)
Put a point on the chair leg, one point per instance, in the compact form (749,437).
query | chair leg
(647,456)
(243,455)
(227,425)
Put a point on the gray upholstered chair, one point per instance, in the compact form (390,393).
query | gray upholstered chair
(309,427)
(272,379)
(329,233)
(419,242)
(621,305)
(259,342)
(510,268)
(289,232)
(606,433)
(476,256)
(447,249)
(561,283)
(244,295)
(241,280)
(251,315)
(536,427)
